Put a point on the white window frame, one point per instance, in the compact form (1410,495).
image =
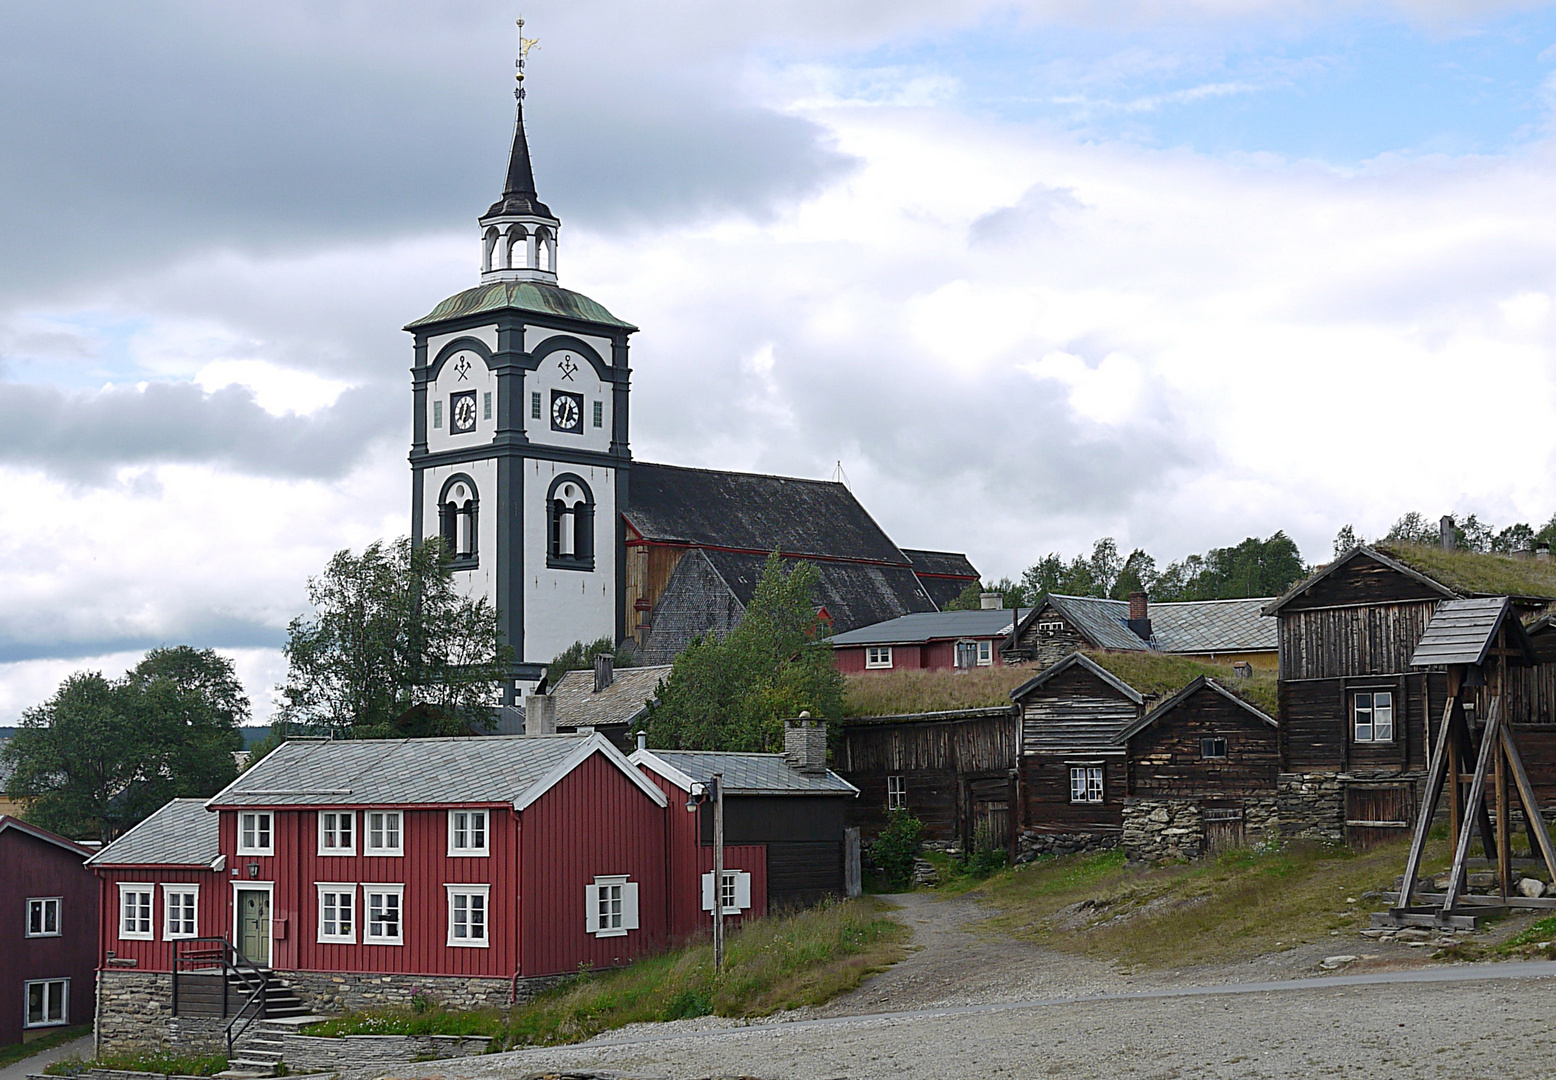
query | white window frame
(43,904)
(454,848)
(1373,710)
(338,889)
(468,892)
(399,833)
(64,1003)
(368,892)
(269,832)
(149,890)
(877,657)
(1089,783)
(736,896)
(896,793)
(985,653)
(170,890)
(329,829)
(619,921)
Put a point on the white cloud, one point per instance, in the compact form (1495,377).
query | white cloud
(276,389)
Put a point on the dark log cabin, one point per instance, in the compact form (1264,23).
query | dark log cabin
(1355,717)
(952,770)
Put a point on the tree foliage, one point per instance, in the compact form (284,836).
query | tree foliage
(579,656)
(101,753)
(1252,568)
(393,648)
(734,693)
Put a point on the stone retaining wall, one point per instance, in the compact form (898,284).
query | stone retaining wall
(1311,806)
(371,1055)
(1032,845)
(1159,830)
(333,992)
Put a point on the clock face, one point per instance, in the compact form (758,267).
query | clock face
(566,412)
(461,411)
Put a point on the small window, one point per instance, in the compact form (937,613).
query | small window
(384,914)
(1086,784)
(896,793)
(1373,712)
(534,406)
(1212,749)
(467,912)
(735,895)
(437,413)
(486,405)
(254,833)
(337,832)
(43,916)
(383,833)
(48,1003)
(985,653)
(1050,627)
(338,914)
(467,832)
(599,414)
(135,912)
(877,656)
(179,917)
(611,906)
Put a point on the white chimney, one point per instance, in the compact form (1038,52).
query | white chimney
(991,601)
(540,715)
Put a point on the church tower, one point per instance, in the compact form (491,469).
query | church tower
(519,455)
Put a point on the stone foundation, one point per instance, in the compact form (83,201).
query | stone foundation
(373,1055)
(338,992)
(1311,806)
(1032,845)
(1160,830)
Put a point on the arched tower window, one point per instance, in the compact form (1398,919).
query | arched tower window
(459,520)
(516,246)
(569,524)
(489,244)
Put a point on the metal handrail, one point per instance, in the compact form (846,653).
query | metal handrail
(219,953)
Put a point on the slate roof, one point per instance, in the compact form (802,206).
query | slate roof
(534,297)
(751,512)
(854,594)
(931,626)
(944,574)
(518,191)
(387,772)
(748,774)
(1191,626)
(182,833)
(622,702)
(1462,631)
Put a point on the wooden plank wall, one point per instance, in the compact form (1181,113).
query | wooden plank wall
(1072,712)
(1046,781)
(1316,723)
(1328,643)
(1165,759)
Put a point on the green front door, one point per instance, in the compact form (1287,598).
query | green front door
(254,925)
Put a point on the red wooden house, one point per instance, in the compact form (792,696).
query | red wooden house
(48,941)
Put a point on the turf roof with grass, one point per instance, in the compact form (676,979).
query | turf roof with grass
(1478,573)
(1160,675)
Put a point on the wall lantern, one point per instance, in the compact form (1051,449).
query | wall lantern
(253,869)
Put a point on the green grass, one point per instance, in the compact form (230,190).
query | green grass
(183,1065)
(9,1055)
(900,693)
(782,962)
(1478,572)
(1237,905)
(1159,675)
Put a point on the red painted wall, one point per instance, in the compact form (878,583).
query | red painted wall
(687,861)
(595,821)
(213,918)
(934,655)
(30,867)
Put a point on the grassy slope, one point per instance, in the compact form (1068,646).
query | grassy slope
(1238,905)
(777,963)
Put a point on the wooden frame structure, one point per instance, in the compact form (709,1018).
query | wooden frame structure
(1474,639)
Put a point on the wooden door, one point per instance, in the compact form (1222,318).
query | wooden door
(254,925)
(1378,813)
(1223,828)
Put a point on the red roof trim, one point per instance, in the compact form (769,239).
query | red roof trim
(689,546)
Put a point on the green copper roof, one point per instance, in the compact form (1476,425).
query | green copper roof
(520,296)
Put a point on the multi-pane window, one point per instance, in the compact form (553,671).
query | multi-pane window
(467,914)
(534,406)
(486,405)
(877,656)
(611,905)
(896,793)
(337,832)
(179,919)
(599,414)
(734,893)
(437,414)
(1373,712)
(985,653)
(338,913)
(255,833)
(467,832)
(384,913)
(383,832)
(135,911)
(43,916)
(1086,783)
(1211,749)
(48,1002)
(727,891)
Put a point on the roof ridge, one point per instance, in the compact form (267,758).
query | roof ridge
(741,472)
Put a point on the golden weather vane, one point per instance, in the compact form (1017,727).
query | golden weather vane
(525,45)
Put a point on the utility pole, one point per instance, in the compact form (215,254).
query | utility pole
(718,872)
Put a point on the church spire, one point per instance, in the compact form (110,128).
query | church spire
(518,232)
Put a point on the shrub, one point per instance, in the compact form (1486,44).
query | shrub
(895,849)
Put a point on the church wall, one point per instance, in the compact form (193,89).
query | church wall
(570,372)
(476,377)
(564,606)
(481,581)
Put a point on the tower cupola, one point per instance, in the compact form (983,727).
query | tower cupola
(519,232)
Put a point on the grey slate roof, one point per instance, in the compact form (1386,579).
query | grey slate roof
(944,574)
(622,702)
(379,772)
(750,774)
(1100,620)
(930,626)
(182,833)
(1463,631)
(1191,626)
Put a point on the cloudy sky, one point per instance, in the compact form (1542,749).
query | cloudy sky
(1180,274)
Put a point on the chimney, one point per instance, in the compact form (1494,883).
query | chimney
(1542,552)
(540,715)
(604,671)
(1243,669)
(1139,616)
(642,741)
(991,601)
(805,745)
(1445,532)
